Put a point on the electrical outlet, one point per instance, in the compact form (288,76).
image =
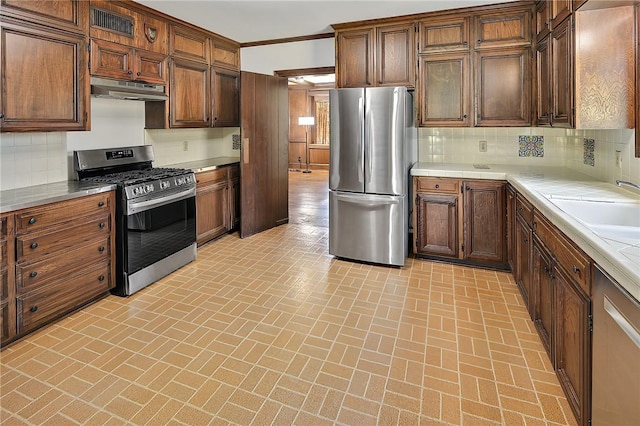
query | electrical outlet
(185,146)
(619,159)
(482,146)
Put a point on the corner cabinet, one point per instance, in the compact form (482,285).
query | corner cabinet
(47,89)
(381,55)
(217,202)
(461,220)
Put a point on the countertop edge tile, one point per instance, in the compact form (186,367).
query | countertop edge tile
(537,184)
(206,165)
(38,195)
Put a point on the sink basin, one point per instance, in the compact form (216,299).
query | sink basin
(601,213)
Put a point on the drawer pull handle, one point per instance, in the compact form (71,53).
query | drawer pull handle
(34,245)
(101,204)
(32,220)
(467,188)
(33,274)
(101,224)
(437,186)
(101,249)
(576,270)
(33,308)
(526,240)
(520,209)
(101,278)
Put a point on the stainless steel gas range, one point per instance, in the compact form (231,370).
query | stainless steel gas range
(155,213)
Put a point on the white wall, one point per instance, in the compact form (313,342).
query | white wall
(285,56)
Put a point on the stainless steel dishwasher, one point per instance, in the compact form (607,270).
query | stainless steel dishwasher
(616,354)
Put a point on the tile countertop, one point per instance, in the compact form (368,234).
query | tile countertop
(32,196)
(206,165)
(539,185)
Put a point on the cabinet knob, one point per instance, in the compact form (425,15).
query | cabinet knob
(101,278)
(437,186)
(102,224)
(576,270)
(468,188)
(138,74)
(33,274)
(32,220)
(129,72)
(34,245)
(465,116)
(526,240)
(101,249)
(101,204)
(33,308)
(1,115)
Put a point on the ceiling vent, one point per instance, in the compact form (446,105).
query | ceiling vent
(110,21)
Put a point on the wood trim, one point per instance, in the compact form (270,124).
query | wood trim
(287,40)
(305,71)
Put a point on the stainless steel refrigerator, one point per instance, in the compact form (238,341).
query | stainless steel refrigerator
(372,148)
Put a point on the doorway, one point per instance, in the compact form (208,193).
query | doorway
(309,144)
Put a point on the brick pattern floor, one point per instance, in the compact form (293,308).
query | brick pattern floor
(272,330)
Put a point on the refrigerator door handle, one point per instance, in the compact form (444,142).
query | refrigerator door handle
(372,200)
(362,139)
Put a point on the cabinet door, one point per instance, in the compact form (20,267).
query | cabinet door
(562,74)
(511,229)
(69,15)
(573,344)
(484,222)
(354,66)
(560,10)
(542,296)
(437,225)
(212,211)
(444,90)
(150,67)
(188,44)
(543,19)
(111,60)
(543,79)
(503,87)
(395,55)
(225,98)
(189,94)
(225,54)
(523,260)
(444,35)
(502,29)
(45,81)
(234,203)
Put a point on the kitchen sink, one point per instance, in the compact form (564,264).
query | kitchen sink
(618,221)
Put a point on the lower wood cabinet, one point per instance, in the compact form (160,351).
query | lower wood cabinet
(463,220)
(217,202)
(56,258)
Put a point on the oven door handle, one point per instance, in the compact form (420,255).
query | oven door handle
(141,206)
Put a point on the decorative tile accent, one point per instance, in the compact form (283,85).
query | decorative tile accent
(236,141)
(531,146)
(589,150)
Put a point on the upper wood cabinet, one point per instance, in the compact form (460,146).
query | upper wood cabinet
(503,87)
(543,19)
(128,26)
(355,50)
(504,28)
(225,54)
(638,81)
(188,44)
(225,97)
(444,34)
(380,55)
(444,89)
(543,79)
(395,55)
(45,81)
(113,60)
(68,15)
(189,94)
(562,77)
(560,10)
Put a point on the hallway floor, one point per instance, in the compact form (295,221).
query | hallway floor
(272,330)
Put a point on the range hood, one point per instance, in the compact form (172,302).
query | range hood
(127,90)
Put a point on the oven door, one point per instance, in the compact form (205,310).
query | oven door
(159,238)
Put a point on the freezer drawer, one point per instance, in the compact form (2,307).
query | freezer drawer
(369,228)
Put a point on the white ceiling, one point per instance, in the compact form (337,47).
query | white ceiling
(258,20)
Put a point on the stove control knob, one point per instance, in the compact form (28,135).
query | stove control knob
(164,184)
(149,188)
(180,181)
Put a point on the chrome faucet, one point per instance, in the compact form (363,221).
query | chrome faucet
(631,184)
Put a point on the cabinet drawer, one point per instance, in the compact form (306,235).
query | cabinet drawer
(34,245)
(52,214)
(61,296)
(437,185)
(218,175)
(524,210)
(30,276)
(576,263)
